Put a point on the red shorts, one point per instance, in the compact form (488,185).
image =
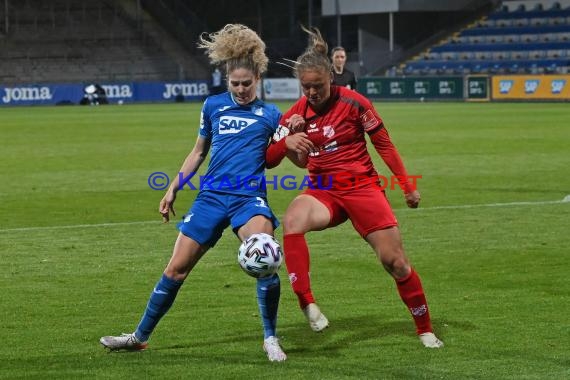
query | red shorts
(367,208)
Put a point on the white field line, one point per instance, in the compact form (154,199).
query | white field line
(486,205)
(46,228)
(456,207)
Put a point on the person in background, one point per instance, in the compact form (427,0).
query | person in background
(238,126)
(217,86)
(344,184)
(341,75)
(94,95)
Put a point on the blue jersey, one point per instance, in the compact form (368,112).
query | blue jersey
(239,136)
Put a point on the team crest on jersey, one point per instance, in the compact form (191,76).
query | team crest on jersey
(280,133)
(257,111)
(328,131)
(368,120)
(232,124)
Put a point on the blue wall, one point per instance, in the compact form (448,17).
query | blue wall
(127,92)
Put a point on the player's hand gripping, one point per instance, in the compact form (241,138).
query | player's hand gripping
(167,205)
(298,140)
(299,143)
(413,199)
(296,123)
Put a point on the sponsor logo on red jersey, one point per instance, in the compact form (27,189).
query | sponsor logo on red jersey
(368,120)
(312,128)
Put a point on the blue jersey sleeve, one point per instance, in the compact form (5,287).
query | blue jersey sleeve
(205,121)
(276,116)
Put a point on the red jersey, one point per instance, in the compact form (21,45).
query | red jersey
(338,133)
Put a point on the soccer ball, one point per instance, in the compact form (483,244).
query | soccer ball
(260,255)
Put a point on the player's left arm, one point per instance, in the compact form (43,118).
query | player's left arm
(386,149)
(374,126)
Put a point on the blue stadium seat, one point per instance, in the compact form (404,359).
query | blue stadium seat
(516,30)
(533,41)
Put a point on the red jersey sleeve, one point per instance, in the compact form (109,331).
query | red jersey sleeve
(373,125)
(391,157)
(369,118)
(275,153)
(277,150)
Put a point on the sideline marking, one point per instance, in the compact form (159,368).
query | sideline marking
(566,199)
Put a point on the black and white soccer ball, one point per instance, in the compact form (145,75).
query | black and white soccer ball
(260,255)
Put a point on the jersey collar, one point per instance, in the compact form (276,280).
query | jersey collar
(252,103)
(310,114)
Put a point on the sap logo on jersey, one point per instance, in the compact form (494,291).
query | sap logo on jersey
(231,124)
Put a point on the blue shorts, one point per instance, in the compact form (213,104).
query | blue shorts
(212,212)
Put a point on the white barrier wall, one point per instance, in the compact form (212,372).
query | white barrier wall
(281,89)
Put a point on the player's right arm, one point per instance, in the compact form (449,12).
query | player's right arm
(290,141)
(192,162)
(191,165)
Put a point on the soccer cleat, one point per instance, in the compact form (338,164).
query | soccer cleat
(317,320)
(430,340)
(273,349)
(128,342)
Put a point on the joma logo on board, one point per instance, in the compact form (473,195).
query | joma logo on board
(17,94)
(185,89)
(118,91)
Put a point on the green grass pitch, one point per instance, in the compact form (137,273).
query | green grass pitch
(82,245)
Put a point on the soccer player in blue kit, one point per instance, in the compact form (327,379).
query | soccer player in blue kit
(237,127)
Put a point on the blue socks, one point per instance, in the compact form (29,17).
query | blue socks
(268,292)
(161,299)
(165,291)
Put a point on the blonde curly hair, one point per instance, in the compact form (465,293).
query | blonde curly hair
(235,46)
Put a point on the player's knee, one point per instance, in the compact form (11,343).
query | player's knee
(397,265)
(294,223)
(176,274)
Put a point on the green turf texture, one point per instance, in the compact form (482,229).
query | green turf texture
(82,245)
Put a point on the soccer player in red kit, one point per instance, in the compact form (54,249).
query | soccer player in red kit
(326,135)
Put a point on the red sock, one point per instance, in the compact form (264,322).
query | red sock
(412,293)
(297,261)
